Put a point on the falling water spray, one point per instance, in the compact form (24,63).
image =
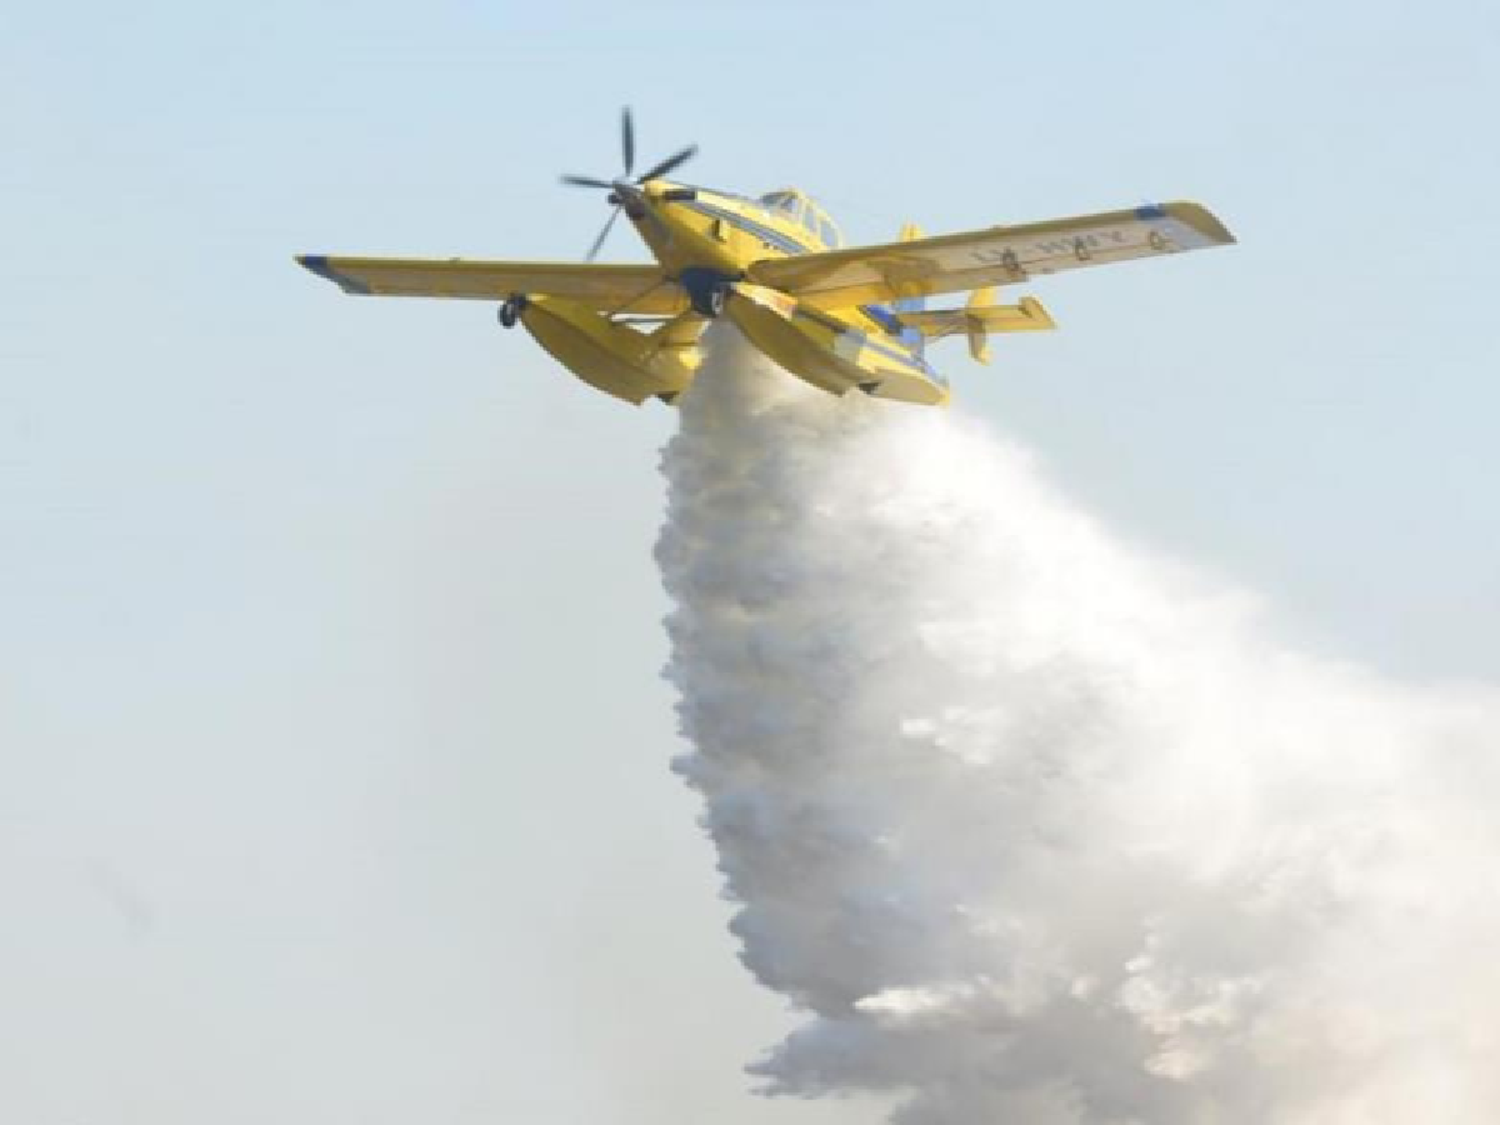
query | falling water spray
(1029,826)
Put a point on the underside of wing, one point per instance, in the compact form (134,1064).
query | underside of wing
(640,290)
(996,256)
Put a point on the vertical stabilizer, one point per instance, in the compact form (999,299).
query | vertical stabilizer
(911,337)
(979,337)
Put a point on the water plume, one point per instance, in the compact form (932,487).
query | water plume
(1031,826)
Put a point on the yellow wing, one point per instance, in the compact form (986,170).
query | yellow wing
(996,256)
(644,290)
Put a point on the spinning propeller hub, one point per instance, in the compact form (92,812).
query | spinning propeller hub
(625,193)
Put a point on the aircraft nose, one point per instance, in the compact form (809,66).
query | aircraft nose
(628,195)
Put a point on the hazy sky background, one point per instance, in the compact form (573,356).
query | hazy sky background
(333,755)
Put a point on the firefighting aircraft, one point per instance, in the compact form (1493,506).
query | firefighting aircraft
(776,267)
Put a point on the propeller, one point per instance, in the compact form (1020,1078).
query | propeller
(622,189)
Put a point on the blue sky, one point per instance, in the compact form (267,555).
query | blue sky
(332,748)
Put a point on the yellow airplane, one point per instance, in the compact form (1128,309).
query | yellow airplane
(775,266)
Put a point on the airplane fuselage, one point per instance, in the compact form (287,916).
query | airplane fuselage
(706,239)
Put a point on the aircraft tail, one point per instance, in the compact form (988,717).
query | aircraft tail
(979,319)
(912,337)
(979,338)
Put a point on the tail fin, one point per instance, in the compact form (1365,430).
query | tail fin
(914,339)
(979,339)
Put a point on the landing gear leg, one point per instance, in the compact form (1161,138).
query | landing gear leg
(510,310)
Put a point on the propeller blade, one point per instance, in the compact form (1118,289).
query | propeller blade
(586,181)
(603,234)
(669,164)
(627,140)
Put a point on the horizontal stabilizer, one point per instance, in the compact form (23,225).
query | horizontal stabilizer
(980,320)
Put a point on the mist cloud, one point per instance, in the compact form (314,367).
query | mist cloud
(1031,826)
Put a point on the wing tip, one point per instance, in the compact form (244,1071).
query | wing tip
(1201,219)
(318,264)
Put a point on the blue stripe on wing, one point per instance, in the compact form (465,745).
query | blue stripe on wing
(318,264)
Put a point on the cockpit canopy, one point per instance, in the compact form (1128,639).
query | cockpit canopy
(799,207)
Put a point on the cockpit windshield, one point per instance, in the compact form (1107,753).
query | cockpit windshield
(798,207)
